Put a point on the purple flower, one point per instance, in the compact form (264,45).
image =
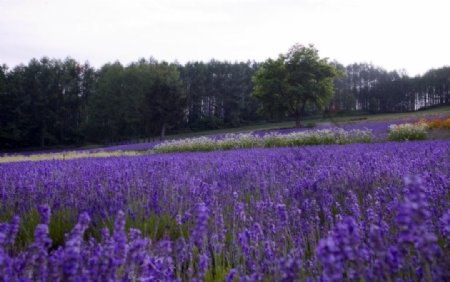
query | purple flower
(8,232)
(342,253)
(394,259)
(40,249)
(178,219)
(231,275)
(352,203)
(72,248)
(202,265)
(201,227)
(290,267)
(120,239)
(444,226)
(417,240)
(267,214)
(13,230)
(282,212)
(45,213)
(414,220)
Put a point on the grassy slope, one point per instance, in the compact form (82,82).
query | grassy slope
(340,120)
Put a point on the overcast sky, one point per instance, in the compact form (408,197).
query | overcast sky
(395,34)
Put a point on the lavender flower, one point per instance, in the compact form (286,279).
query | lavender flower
(352,203)
(39,248)
(282,212)
(342,254)
(444,226)
(414,220)
(120,240)
(265,214)
(73,245)
(201,227)
(202,266)
(44,212)
(231,275)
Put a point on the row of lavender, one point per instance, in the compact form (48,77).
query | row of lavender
(379,129)
(329,213)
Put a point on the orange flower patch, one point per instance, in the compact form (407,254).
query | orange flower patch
(436,123)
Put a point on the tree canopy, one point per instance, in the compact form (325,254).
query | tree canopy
(52,102)
(294,81)
(165,100)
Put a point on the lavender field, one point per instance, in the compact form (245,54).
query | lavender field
(370,212)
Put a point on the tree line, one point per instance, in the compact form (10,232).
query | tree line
(63,102)
(372,89)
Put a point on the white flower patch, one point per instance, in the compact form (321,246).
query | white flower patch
(408,131)
(249,140)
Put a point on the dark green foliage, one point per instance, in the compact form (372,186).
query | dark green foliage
(140,100)
(219,94)
(165,99)
(41,103)
(51,102)
(372,89)
(295,81)
(109,111)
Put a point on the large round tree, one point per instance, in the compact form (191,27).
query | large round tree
(293,81)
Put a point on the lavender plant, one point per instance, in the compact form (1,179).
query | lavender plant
(369,212)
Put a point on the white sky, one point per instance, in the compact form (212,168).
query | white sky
(396,34)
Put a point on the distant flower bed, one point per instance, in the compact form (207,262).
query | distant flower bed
(436,123)
(408,131)
(239,141)
(417,130)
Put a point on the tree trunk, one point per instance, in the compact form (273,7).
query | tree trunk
(299,112)
(163,131)
(298,123)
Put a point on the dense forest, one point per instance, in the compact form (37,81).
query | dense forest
(62,102)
